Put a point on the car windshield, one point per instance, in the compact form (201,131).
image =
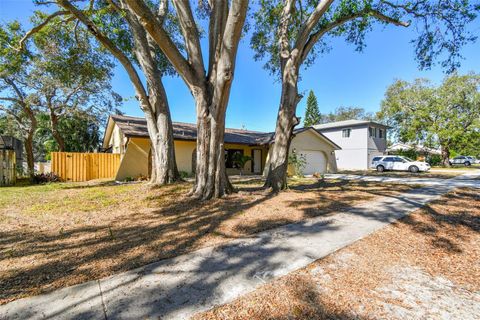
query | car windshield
(408,159)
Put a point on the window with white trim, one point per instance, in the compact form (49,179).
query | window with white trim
(346,133)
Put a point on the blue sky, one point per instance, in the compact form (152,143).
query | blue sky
(343,77)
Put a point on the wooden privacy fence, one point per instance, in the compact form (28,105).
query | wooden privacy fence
(8,172)
(73,166)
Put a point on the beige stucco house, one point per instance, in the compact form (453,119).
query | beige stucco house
(128,136)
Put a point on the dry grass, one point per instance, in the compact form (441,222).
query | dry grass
(440,174)
(58,235)
(425,266)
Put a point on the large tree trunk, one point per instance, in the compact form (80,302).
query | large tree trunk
(156,109)
(445,156)
(28,141)
(55,133)
(160,129)
(211,178)
(211,90)
(286,121)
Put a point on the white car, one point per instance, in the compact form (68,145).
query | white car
(463,160)
(398,163)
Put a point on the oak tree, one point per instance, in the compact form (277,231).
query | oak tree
(209,78)
(447,116)
(289,34)
(120,32)
(149,24)
(16,100)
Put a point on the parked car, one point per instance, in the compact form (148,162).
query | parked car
(398,163)
(463,160)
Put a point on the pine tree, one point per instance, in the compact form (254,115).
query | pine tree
(312,114)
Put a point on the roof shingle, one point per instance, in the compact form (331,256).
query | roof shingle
(137,127)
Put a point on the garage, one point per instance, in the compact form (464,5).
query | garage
(319,152)
(316,161)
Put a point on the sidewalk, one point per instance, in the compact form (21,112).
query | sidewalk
(464,180)
(179,287)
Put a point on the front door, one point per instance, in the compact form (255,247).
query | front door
(257,161)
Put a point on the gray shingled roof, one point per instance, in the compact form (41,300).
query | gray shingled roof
(137,127)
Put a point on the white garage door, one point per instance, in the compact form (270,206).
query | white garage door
(316,161)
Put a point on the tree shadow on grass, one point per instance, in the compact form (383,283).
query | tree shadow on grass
(443,221)
(178,227)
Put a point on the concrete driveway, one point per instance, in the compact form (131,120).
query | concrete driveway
(469,179)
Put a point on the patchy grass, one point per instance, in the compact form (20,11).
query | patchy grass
(457,168)
(63,234)
(425,266)
(440,174)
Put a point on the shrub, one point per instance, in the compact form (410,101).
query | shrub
(298,162)
(185,174)
(41,178)
(434,160)
(240,161)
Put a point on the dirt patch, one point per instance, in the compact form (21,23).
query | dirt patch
(405,174)
(425,266)
(58,235)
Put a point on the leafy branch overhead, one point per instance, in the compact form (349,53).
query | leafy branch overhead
(441,28)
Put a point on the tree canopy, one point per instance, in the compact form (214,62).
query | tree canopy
(447,115)
(57,72)
(291,34)
(347,113)
(442,28)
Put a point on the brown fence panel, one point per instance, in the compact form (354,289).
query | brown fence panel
(74,166)
(7,167)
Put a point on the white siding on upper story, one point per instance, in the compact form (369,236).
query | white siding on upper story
(359,148)
(375,143)
(356,141)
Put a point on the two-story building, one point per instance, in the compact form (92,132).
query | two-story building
(359,140)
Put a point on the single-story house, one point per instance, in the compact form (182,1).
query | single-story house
(422,152)
(129,137)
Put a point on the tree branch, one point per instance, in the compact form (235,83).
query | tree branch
(190,35)
(283,29)
(313,38)
(311,22)
(390,20)
(39,27)
(163,40)
(18,92)
(9,99)
(218,18)
(107,43)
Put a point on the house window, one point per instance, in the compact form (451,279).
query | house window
(380,133)
(346,133)
(370,130)
(230,155)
